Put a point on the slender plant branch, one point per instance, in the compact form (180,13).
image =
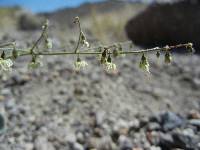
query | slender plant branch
(77,21)
(104,52)
(44,30)
(26,53)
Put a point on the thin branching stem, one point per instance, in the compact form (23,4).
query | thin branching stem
(40,38)
(79,38)
(104,52)
(169,48)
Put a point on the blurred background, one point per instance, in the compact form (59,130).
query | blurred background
(55,108)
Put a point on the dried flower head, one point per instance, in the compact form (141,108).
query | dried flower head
(144,64)
(79,64)
(6,64)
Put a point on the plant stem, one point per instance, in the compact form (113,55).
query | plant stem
(40,38)
(79,38)
(26,53)
(123,52)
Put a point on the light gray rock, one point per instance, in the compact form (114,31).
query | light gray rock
(125,143)
(106,144)
(41,143)
(195,122)
(77,146)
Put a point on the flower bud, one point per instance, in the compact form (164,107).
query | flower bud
(158,54)
(14,54)
(34,65)
(103,60)
(76,19)
(144,64)
(104,53)
(120,50)
(168,58)
(109,59)
(82,36)
(83,40)
(190,48)
(3,55)
(46,24)
(103,56)
(115,53)
(78,59)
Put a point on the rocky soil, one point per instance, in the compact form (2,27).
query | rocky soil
(55,108)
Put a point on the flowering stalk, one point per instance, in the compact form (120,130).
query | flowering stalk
(92,52)
(105,52)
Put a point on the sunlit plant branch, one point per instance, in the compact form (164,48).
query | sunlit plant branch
(105,53)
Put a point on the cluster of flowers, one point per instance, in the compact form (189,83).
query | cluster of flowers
(6,64)
(144,63)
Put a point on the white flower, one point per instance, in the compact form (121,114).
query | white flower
(79,64)
(49,44)
(6,64)
(110,67)
(86,43)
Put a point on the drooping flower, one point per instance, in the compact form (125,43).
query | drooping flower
(14,54)
(144,64)
(158,54)
(83,40)
(49,44)
(79,64)
(6,64)
(168,58)
(103,58)
(190,48)
(115,53)
(35,62)
(34,65)
(110,67)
